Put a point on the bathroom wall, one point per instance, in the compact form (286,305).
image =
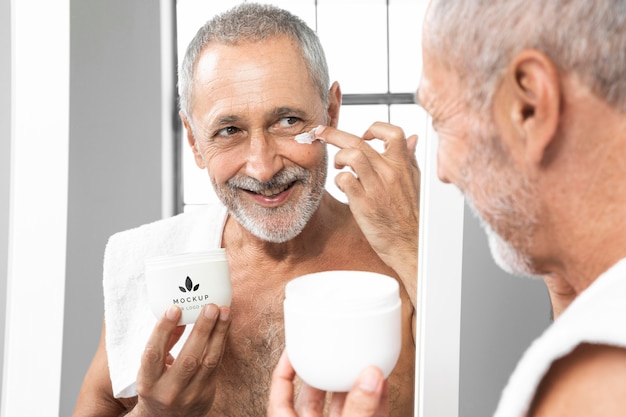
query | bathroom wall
(5,160)
(115,157)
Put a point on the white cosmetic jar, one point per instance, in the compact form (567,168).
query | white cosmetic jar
(189,280)
(337,323)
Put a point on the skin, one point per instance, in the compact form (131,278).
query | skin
(368,396)
(235,134)
(386,217)
(568,146)
(383,217)
(543,120)
(163,384)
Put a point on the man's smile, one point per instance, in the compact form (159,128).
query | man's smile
(270,192)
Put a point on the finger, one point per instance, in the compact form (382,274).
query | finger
(338,138)
(214,349)
(310,401)
(370,166)
(354,151)
(350,185)
(397,148)
(357,159)
(368,397)
(411,143)
(336,404)
(176,335)
(363,172)
(281,388)
(190,357)
(392,136)
(155,354)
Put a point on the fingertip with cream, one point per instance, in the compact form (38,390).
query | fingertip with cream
(318,131)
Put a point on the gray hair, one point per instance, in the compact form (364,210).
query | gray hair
(478,38)
(250,22)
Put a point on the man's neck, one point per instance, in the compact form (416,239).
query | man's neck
(587,225)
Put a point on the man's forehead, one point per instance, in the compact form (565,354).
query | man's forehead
(272,54)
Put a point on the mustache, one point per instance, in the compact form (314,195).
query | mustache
(282,178)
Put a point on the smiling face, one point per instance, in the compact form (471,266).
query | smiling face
(249,101)
(477,159)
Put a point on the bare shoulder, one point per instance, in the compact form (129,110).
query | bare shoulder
(590,381)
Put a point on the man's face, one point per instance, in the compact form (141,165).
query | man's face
(249,101)
(474,157)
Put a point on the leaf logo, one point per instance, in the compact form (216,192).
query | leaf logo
(189,286)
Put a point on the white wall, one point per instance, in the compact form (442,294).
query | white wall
(115,157)
(114,163)
(37,211)
(5,159)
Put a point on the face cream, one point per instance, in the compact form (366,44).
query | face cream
(339,322)
(307,137)
(189,280)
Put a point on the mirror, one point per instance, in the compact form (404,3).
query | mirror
(474,321)
(474,318)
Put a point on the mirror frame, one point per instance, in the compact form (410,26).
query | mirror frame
(440,262)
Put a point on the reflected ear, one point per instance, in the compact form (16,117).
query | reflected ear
(334,103)
(529,99)
(191,140)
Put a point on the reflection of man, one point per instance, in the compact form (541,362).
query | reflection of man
(252,79)
(532,128)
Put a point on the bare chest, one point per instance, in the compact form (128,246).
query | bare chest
(256,337)
(254,345)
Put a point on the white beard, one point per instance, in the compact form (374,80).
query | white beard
(503,201)
(505,255)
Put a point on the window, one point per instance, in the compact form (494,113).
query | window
(372,49)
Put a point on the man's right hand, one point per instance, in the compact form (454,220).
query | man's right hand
(369,396)
(184,386)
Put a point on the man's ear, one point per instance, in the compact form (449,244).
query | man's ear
(334,103)
(530,102)
(191,140)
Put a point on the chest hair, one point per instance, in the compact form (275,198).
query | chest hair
(254,345)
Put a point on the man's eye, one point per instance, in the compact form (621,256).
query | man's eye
(228,131)
(288,121)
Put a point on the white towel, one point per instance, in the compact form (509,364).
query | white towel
(128,318)
(595,316)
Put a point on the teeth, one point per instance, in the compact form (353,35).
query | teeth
(273,191)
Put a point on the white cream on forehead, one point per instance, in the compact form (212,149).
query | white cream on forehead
(307,137)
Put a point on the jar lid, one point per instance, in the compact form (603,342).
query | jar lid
(187,258)
(342,291)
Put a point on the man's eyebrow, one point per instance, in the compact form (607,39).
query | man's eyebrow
(219,122)
(224,120)
(286,110)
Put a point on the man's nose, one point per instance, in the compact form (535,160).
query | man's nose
(263,160)
(441,171)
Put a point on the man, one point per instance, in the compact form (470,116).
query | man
(252,79)
(529,102)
